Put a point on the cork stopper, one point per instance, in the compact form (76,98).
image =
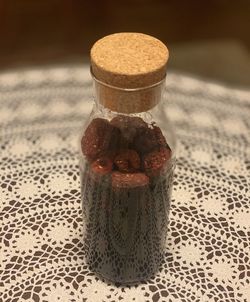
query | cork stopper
(128,61)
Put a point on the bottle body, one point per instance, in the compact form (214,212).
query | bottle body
(126,169)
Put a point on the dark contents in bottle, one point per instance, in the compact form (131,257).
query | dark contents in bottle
(126,184)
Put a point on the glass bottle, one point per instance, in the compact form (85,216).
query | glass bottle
(126,167)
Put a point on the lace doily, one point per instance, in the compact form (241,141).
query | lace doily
(41,230)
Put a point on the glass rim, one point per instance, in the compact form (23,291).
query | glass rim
(128,89)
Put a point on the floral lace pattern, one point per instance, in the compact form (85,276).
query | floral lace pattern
(41,230)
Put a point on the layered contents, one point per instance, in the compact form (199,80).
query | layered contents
(126,184)
(128,148)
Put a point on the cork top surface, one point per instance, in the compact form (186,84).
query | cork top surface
(129,60)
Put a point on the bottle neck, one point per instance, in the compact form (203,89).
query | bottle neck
(128,101)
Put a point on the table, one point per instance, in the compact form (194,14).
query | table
(41,231)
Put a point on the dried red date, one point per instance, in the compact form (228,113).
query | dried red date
(128,161)
(155,161)
(97,138)
(150,139)
(129,180)
(145,141)
(129,126)
(160,137)
(102,166)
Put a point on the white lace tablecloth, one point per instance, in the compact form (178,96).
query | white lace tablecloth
(41,244)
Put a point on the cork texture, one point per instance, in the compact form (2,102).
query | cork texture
(128,61)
